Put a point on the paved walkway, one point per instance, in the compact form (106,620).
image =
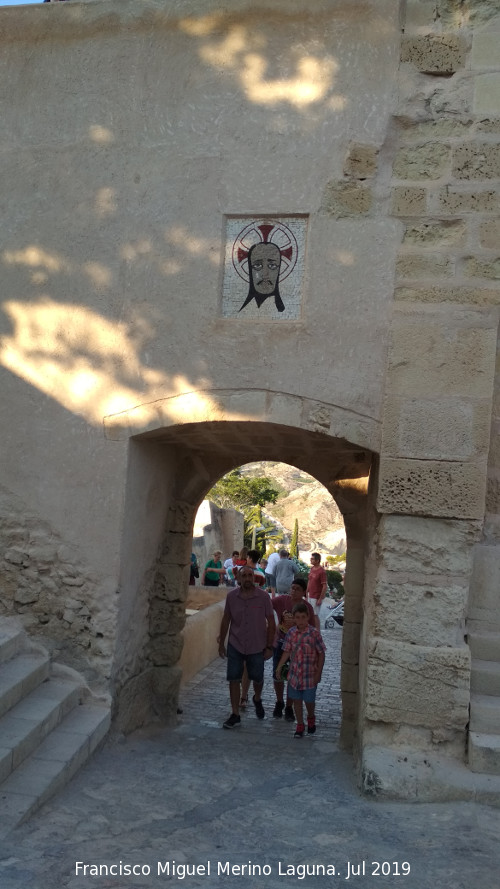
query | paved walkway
(196,795)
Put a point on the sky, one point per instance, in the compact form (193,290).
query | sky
(18,2)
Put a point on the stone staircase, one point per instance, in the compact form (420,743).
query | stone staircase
(484,729)
(49,725)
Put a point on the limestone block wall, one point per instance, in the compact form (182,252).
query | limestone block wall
(437,463)
(56,594)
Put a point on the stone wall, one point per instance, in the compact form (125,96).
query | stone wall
(440,379)
(55,594)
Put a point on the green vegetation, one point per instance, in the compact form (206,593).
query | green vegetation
(234,491)
(334,579)
(249,495)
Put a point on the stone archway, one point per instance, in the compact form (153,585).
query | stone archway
(170,470)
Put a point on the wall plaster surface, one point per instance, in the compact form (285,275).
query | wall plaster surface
(129,388)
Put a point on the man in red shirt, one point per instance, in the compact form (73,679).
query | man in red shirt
(249,618)
(317,585)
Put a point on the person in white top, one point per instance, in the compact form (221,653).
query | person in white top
(229,566)
(271,564)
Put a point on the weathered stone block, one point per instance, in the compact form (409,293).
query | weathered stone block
(165,684)
(249,405)
(180,517)
(430,359)
(432,130)
(343,199)
(489,125)
(285,409)
(409,201)
(489,233)
(436,234)
(166,650)
(350,642)
(134,702)
(16,556)
(428,161)
(477,268)
(441,428)
(434,53)
(350,705)
(419,612)
(349,677)
(361,161)
(472,296)
(414,265)
(428,487)
(417,685)
(455,202)
(26,596)
(166,617)
(176,549)
(476,160)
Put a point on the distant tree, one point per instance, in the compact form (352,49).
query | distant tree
(259,531)
(235,491)
(294,543)
(335,560)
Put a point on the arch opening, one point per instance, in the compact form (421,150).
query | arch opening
(170,471)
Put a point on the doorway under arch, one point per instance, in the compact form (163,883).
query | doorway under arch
(170,470)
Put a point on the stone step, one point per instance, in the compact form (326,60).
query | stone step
(485,714)
(485,646)
(485,677)
(12,640)
(26,724)
(52,764)
(19,676)
(484,753)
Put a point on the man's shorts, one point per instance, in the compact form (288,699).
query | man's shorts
(236,661)
(308,695)
(314,602)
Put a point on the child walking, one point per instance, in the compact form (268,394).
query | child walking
(304,646)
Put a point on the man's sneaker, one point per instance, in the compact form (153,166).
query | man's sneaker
(299,731)
(259,709)
(278,709)
(232,722)
(311,726)
(289,717)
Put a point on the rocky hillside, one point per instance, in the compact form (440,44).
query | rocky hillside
(321,526)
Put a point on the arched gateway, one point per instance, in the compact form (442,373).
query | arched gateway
(183,461)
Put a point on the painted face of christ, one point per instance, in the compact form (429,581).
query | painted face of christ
(264,262)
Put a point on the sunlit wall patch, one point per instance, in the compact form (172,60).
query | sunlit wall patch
(264,267)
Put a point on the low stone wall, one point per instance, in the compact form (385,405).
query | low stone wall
(44,581)
(200,640)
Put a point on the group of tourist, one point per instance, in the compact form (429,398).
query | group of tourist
(273,615)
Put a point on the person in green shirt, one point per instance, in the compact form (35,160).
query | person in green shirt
(214,570)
